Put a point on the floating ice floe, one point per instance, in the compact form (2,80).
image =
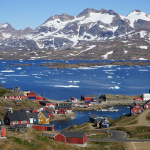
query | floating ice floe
(67,86)
(110,77)
(37,77)
(73,81)
(8,70)
(19,68)
(87,68)
(143,70)
(115,87)
(17,75)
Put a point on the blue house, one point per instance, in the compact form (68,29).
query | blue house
(33,117)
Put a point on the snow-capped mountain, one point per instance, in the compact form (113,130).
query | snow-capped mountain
(63,32)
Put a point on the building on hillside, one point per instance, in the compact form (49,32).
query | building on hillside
(16,117)
(71,137)
(20,128)
(88,97)
(47,103)
(93,118)
(14,95)
(26,92)
(44,127)
(43,118)
(63,108)
(16,89)
(33,118)
(1,86)
(146,105)
(135,109)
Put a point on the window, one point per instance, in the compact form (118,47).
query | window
(15,122)
(41,116)
(34,119)
(24,121)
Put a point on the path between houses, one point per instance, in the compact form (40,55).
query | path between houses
(142,119)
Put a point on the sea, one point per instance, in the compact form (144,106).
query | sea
(62,84)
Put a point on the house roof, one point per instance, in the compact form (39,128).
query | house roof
(92,96)
(20,125)
(45,114)
(73,134)
(147,102)
(32,115)
(17,115)
(63,105)
(94,116)
(14,94)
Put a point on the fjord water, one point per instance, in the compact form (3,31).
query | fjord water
(61,84)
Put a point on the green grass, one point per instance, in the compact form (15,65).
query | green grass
(23,143)
(4,91)
(133,122)
(117,120)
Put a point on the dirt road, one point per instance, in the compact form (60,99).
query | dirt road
(141,122)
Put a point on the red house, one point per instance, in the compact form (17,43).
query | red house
(71,137)
(135,109)
(46,127)
(88,97)
(16,117)
(147,104)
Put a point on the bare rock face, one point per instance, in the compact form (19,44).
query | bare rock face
(110,97)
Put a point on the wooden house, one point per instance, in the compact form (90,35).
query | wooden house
(71,137)
(16,89)
(88,97)
(93,118)
(14,95)
(43,118)
(146,105)
(47,103)
(20,128)
(33,118)
(135,109)
(44,127)
(63,108)
(16,117)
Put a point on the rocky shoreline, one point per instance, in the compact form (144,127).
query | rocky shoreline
(89,64)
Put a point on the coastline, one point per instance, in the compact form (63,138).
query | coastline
(89,64)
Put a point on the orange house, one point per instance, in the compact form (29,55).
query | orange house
(43,118)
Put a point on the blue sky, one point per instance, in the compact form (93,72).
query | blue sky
(31,13)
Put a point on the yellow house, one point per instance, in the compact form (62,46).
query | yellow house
(43,118)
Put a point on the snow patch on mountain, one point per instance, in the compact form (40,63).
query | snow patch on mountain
(94,17)
(143,47)
(135,15)
(143,34)
(106,55)
(3,25)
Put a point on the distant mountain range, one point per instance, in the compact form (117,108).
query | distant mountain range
(92,34)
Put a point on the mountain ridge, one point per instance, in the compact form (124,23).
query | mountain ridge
(66,32)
